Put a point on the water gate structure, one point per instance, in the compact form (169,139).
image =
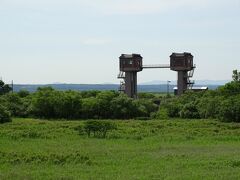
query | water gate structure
(131,64)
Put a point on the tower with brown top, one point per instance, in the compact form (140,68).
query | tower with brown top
(183,64)
(130,64)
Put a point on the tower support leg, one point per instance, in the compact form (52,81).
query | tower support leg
(131,84)
(182,82)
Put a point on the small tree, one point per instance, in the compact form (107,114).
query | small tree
(230,109)
(4,88)
(4,115)
(189,110)
(98,128)
(23,93)
(236,76)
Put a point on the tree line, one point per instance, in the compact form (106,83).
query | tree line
(222,103)
(53,104)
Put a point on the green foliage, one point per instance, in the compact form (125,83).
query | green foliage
(230,109)
(88,94)
(236,76)
(17,106)
(146,107)
(209,107)
(190,110)
(230,89)
(49,103)
(155,149)
(98,128)
(123,107)
(23,93)
(161,114)
(44,158)
(222,103)
(104,102)
(90,108)
(68,105)
(4,88)
(4,115)
(43,103)
(143,95)
(172,107)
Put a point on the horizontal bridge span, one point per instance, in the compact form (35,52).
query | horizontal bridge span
(156,66)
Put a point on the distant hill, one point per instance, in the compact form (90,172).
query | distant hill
(197,82)
(87,87)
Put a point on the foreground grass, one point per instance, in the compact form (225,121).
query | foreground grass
(169,149)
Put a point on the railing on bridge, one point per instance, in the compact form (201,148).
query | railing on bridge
(156,66)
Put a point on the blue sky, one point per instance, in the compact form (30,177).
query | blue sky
(79,41)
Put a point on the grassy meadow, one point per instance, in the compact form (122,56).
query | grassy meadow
(157,149)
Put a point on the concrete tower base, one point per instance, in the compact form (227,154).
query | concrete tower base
(131,84)
(182,82)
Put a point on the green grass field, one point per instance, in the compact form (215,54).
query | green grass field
(159,149)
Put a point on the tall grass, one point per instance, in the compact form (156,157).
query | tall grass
(159,149)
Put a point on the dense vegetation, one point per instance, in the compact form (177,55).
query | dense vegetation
(162,149)
(4,88)
(50,103)
(120,149)
(222,104)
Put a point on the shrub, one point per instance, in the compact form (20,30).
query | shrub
(23,93)
(189,110)
(68,105)
(208,107)
(173,109)
(143,95)
(122,107)
(4,88)
(146,107)
(230,89)
(230,109)
(4,115)
(90,108)
(43,103)
(98,128)
(17,106)
(161,114)
(104,99)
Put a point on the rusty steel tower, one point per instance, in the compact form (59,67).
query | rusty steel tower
(183,64)
(130,64)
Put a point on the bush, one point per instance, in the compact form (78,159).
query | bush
(4,88)
(17,106)
(43,103)
(23,93)
(189,110)
(143,95)
(146,107)
(161,114)
(208,107)
(98,128)
(173,109)
(123,107)
(230,89)
(4,115)
(104,99)
(90,108)
(230,109)
(68,105)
